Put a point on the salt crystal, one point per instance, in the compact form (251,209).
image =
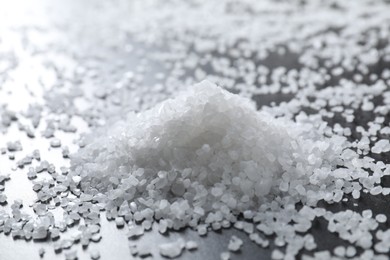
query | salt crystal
(55,143)
(191,245)
(14,146)
(119,222)
(339,251)
(3,198)
(144,250)
(381,218)
(173,249)
(381,146)
(277,254)
(351,251)
(39,233)
(71,255)
(95,255)
(225,256)
(66,243)
(202,230)
(135,231)
(41,252)
(235,244)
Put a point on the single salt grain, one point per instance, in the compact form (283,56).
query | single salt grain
(135,231)
(119,221)
(54,233)
(202,230)
(173,249)
(71,255)
(367,213)
(235,244)
(95,255)
(133,250)
(66,243)
(39,233)
(65,152)
(191,245)
(277,254)
(55,143)
(381,218)
(162,226)
(381,146)
(147,224)
(144,250)
(96,237)
(339,251)
(225,256)
(350,252)
(14,146)
(41,252)
(376,190)
(3,198)
(356,194)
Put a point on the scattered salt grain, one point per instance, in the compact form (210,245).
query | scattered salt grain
(235,244)
(40,233)
(202,230)
(135,231)
(350,252)
(381,218)
(95,255)
(277,254)
(119,221)
(144,250)
(339,251)
(381,146)
(71,255)
(225,256)
(55,143)
(41,252)
(14,146)
(191,245)
(173,249)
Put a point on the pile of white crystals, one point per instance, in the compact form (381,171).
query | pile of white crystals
(203,157)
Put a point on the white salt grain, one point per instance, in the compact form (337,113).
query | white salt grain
(55,143)
(119,221)
(235,244)
(173,249)
(95,255)
(191,245)
(381,218)
(3,198)
(135,231)
(225,256)
(71,255)
(381,146)
(351,251)
(144,250)
(41,252)
(277,254)
(39,233)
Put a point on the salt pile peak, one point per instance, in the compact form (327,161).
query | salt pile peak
(205,150)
